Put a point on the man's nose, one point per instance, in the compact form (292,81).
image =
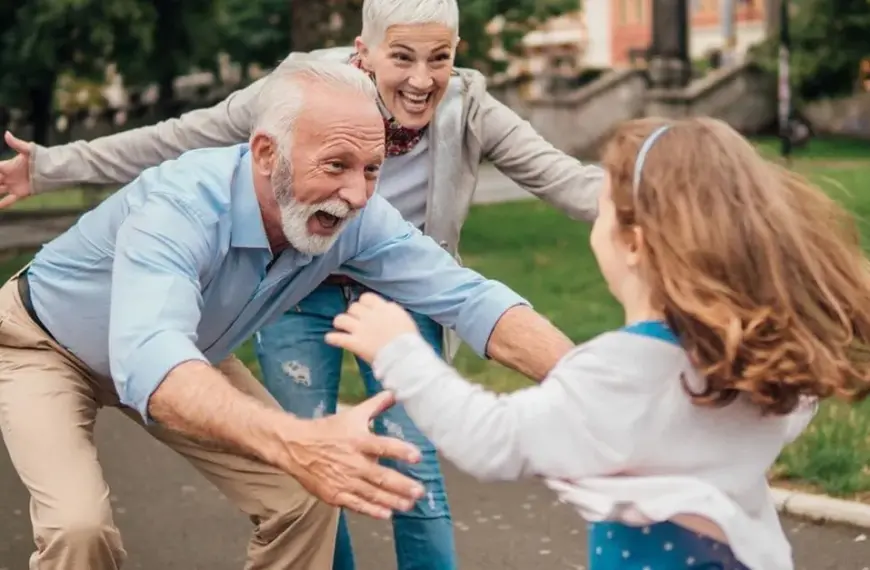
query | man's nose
(355,191)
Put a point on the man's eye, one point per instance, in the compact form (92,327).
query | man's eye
(335,166)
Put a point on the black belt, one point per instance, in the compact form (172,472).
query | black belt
(337,279)
(27,301)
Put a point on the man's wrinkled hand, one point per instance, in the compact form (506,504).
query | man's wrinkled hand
(336,459)
(369,325)
(15,172)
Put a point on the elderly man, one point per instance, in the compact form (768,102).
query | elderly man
(141,304)
(441,124)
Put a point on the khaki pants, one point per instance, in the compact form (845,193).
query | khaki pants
(48,404)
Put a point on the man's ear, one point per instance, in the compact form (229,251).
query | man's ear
(264,153)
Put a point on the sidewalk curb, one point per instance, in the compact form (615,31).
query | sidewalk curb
(821,508)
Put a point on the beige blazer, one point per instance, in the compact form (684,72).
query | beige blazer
(469,126)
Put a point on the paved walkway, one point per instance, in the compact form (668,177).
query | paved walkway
(174,520)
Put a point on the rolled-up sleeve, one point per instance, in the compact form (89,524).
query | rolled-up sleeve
(397,260)
(160,252)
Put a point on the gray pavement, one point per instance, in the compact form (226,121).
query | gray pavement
(174,520)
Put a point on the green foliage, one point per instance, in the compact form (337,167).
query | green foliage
(520,17)
(182,37)
(255,32)
(43,39)
(829,39)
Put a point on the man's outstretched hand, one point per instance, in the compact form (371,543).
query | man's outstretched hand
(15,172)
(336,459)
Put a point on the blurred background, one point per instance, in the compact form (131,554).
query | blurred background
(72,69)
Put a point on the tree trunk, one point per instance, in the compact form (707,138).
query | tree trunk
(771,17)
(166,34)
(41,108)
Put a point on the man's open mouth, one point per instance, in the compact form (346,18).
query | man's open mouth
(327,220)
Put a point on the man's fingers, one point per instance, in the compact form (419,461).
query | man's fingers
(16,144)
(377,496)
(8,200)
(359,505)
(393,482)
(389,448)
(345,322)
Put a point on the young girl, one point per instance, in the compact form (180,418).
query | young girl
(746,298)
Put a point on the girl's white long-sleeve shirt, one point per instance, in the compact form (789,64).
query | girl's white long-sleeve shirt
(613,432)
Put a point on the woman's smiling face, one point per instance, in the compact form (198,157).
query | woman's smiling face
(412,69)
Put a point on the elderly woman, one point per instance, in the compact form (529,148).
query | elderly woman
(440,124)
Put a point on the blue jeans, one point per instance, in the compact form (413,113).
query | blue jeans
(302,372)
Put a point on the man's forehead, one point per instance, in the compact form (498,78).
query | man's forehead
(332,116)
(338,101)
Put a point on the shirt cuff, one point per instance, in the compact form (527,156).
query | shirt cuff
(149,365)
(478,318)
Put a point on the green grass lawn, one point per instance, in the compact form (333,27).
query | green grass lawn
(546,258)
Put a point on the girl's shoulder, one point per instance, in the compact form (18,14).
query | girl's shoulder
(637,353)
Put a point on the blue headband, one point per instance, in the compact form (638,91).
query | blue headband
(641,156)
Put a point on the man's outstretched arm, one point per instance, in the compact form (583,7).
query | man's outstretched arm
(156,303)
(395,259)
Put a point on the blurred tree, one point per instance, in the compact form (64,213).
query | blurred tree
(41,40)
(183,38)
(264,32)
(255,32)
(326,23)
(517,18)
(829,38)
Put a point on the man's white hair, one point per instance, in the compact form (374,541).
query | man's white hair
(379,15)
(282,97)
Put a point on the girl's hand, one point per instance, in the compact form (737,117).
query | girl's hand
(369,325)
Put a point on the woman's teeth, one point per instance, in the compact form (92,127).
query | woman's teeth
(415,99)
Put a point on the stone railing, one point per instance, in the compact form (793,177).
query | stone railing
(743,96)
(576,122)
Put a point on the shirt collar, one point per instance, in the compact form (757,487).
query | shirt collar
(248,230)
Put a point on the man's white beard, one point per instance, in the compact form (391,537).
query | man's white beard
(295,216)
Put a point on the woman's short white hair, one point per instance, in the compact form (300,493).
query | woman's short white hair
(282,96)
(379,15)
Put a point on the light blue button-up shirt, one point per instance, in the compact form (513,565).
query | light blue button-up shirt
(174,268)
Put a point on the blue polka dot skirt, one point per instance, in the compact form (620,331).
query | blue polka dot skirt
(662,546)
